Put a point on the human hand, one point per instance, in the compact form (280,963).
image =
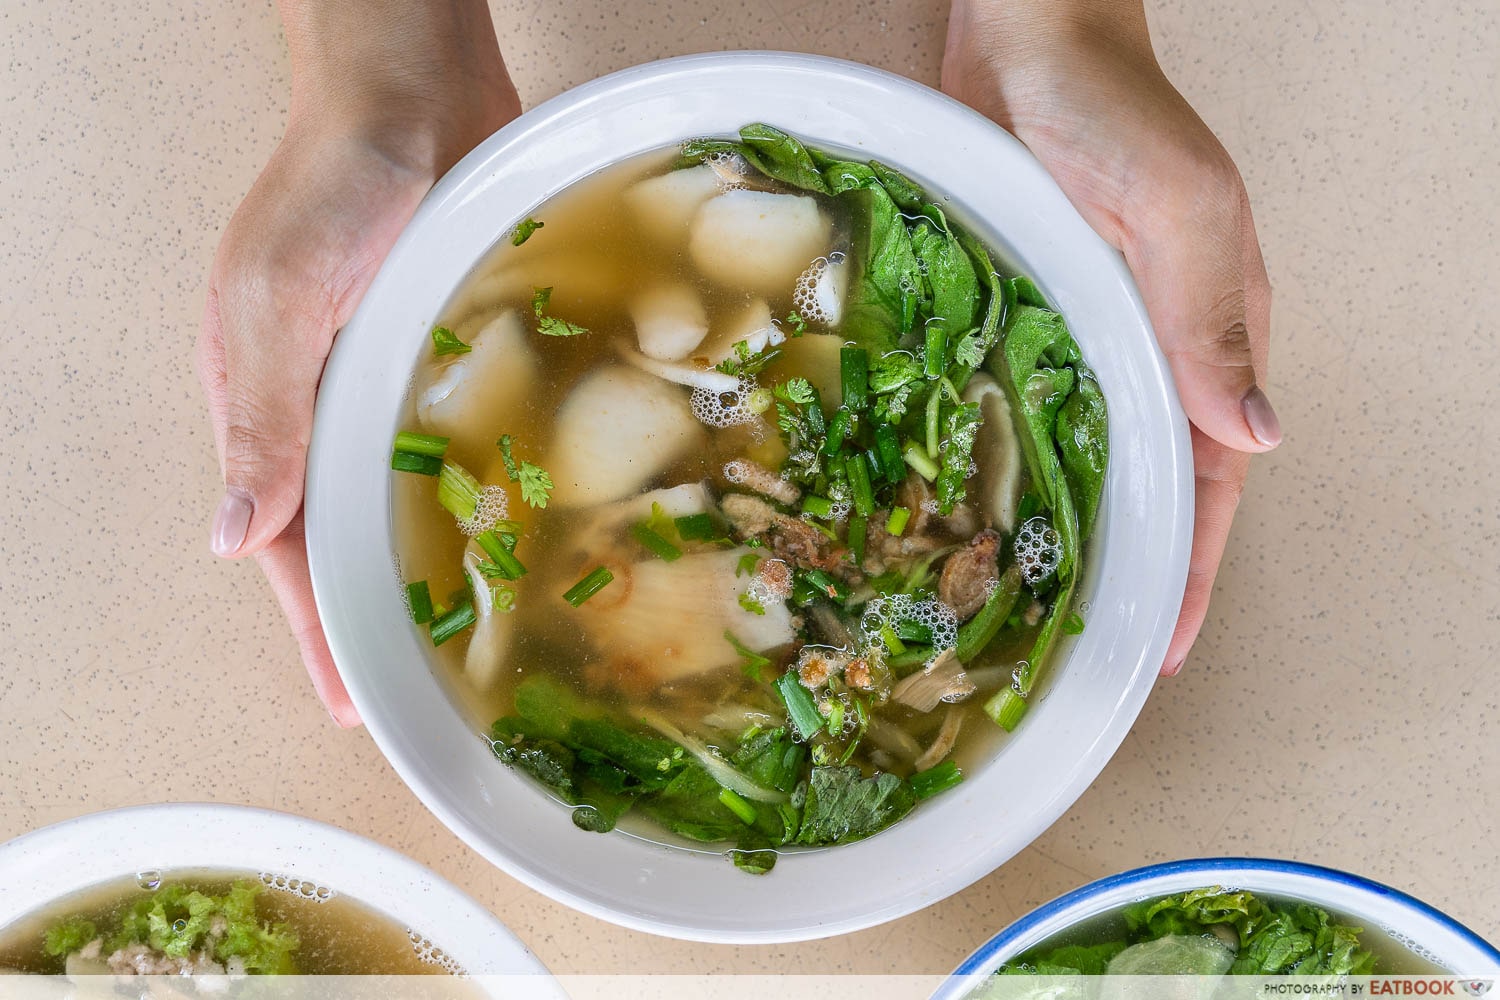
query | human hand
(1077,82)
(361,149)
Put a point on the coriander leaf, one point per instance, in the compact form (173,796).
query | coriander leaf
(746,564)
(1073,624)
(551,326)
(540,298)
(751,605)
(444,341)
(797,323)
(524,230)
(796,390)
(536,485)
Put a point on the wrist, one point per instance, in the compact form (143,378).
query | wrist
(1028,31)
(423,83)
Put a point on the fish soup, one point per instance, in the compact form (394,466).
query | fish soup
(743,500)
(214,923)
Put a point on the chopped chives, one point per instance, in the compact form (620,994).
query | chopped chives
(813,414)
(801,710)
(935,358)
(696,527)
(595,581)
(501,555)
(977,632)
(421,444)
(657,545)
(839,429)
(858,528)
(934,435)
(877,468)
(859,483)
(906,661)
(422,465)
(458,491)
(818,506)
(854,377)
(419,599)
(889,446)
(803,592)
(893,643)
(453,622)
(920,461)
(896,523)
(826,585)
(1007,708)
(736,804)
(836,717)
(944,776)
(909,630)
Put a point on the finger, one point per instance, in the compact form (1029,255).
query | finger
(1204,285)
(1219,474)
(284,562)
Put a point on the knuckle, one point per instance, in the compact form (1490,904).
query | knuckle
(1226,339)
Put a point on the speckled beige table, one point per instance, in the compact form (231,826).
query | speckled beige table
(1340,707)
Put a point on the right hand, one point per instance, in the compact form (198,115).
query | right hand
(294,262)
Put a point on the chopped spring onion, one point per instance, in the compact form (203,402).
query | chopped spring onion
(835,717)
(421,444)
(842,424)
(826,585)
(878,471)
(453,622)
(854,377)
(803,593)
(859,484)
(889,446)
(893,643)
(913,631)
(896,523)
(935,357)
(737,805)
(976,633)
(419,599)
(753,661)
(591,584)
(818,506)
(936,779)
(458,491)
(500,554)
(1007,708)
(422,465)
(908,659)
(697,527)
(800,707)
(919,460)
(654,543)
(934,432)
(858,528)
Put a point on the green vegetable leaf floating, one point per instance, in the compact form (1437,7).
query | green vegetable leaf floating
(444,341)
(551,326)
(782,157)
(753,664)
(524,230)
(69,936)
(1082,434)
(796,390)
(536,485)
(511,468)
(844,806)
(962,426)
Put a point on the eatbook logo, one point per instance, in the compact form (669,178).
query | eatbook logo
(1477,987)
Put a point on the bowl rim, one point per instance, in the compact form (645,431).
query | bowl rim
(97,848)
(1176,876)
(944,876)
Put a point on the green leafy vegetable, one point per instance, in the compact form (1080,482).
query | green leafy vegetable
(1082,435)
(844,806)
(69,936)
(536,483)
(445,341)
(753,663)
(800,708)
(780,156)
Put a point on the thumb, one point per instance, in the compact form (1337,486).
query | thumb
(1205,287)
(269,349)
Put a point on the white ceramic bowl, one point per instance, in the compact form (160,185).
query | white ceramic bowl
(56,861)
(1134,585)
(1368,904)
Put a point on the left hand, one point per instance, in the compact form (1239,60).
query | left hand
(1077,82)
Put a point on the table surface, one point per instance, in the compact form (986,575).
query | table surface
(1339,709)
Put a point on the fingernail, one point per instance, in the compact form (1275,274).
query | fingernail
(231,522)
(1172,669)
(1261,417)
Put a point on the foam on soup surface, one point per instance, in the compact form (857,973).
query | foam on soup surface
(743,500)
